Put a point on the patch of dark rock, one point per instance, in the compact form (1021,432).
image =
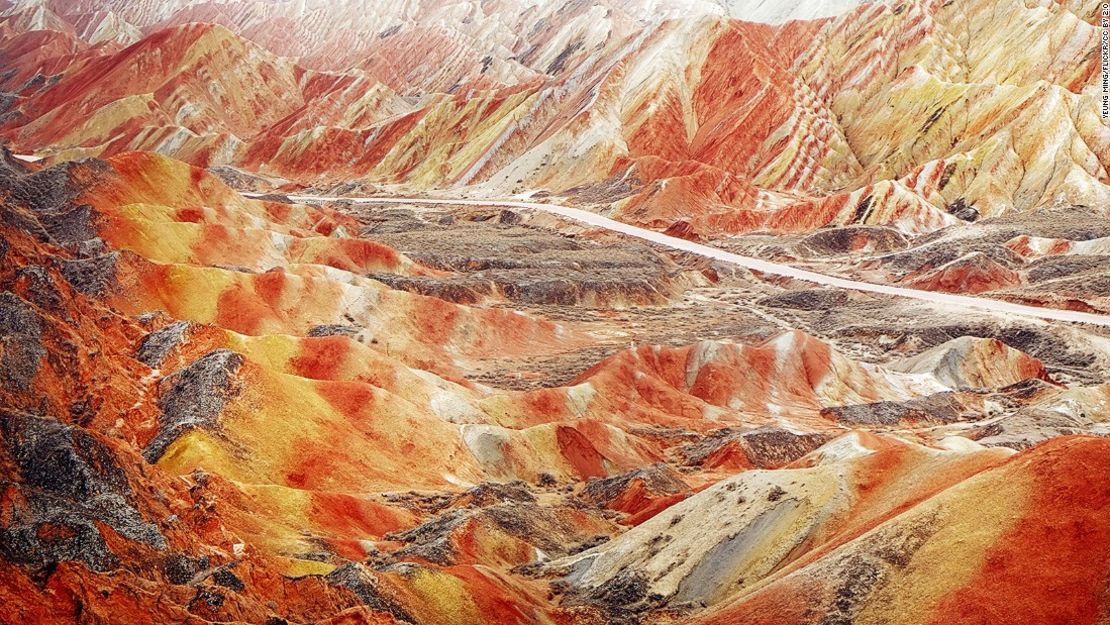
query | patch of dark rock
(1029,427)
(526,265)
(72,484)
(934,116)
(180,569)
(862,209)
(765,448)
(578,288)
(278,198)
(395,226)
(194,398)
(343,190)
(946,176)
(36,284)
(535,525)
(227,579)
(777,493)
(1036,341)
(206,597)
(22,220)
(808,299)
(665,435)
(7,100)
(492,493)
(939,407)
(92,276)
(14,117)
(858,579)
(245,181)
(847,239)
(334,330)
(376,218)
(40,191)
(441,219)
(1026,389)
(509,217)
(927,257)
(53,534)
(1074,223)
(612,189)
(963,211)
(62,459)
(82,412)
(21,348)
(322,555)
(422,502)
(1055,267)
(657,478)
(590,543)
(70,225)
(457,291)
(991,429)
(535,570)
(158,344)
(36,82)
(1095,284)
(362,582)
(859,574)
(572,285)
(559,63)
(627,591)
(431,541)
(1042,345)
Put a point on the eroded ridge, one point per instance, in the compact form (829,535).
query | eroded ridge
(262,411)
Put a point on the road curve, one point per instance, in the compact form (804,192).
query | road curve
(982,304)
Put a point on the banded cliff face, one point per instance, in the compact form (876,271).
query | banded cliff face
(913,114)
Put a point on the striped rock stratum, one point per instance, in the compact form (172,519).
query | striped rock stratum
(517,312)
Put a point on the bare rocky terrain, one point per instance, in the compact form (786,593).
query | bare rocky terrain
(460,312)
(629,292)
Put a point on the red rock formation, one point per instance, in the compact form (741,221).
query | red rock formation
(1014,570)
(868,117)
(234,440)
(976,273)
(220,409)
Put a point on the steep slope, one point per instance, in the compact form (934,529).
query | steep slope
(783,382)
(898,114)
(728,538)
(158,92)
(216,408)
(99,396)
(1028,531)
(253,427)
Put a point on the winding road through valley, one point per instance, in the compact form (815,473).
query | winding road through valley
(981,304)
